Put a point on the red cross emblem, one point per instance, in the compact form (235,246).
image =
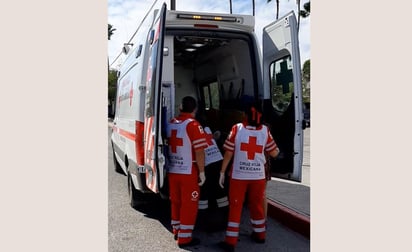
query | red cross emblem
(251,148)
(195,194)
(131,94)
(175,141)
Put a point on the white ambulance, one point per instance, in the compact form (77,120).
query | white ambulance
(216,59)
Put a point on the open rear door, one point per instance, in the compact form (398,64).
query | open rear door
(283,99)
(154,159)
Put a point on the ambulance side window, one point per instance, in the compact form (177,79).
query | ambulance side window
(281,84)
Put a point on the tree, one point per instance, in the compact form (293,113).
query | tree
(298,3)
(306,81)
(306,10)
(301,13)
(112,87)
(277,8)
(112,81)
(110,31)
(112,76)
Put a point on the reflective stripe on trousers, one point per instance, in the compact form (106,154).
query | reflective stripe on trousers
(237,191)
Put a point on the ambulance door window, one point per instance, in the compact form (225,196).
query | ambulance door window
(214,95)
(211,96)
(281,84)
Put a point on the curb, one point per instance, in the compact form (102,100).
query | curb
(290,218)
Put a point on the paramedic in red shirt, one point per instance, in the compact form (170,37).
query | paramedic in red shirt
(186,166)
(247,143)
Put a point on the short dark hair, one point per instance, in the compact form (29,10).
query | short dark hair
(188,104)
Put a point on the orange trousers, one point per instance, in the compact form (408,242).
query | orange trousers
(255,191)
(184,198)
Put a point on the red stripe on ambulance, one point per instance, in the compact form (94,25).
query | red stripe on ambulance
(137,138)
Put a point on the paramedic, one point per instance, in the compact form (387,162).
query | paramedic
(186,165)
(247,143)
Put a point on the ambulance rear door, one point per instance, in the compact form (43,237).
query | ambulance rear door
(283,94)
(154,159)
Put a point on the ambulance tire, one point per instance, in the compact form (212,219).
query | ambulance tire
(133,193)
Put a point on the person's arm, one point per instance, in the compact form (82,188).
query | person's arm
(274,153)
(226,159)
(272,146)
(200,159)
(197,136)
(229,147)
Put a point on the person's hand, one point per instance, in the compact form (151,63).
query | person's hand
(222,179)
(202,178)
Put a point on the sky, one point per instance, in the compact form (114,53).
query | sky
(126,15)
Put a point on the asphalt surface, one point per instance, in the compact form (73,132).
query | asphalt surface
(289,202)
(149,229)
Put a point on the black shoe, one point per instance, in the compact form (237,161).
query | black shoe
(256,239)
(193,242)
(226,246)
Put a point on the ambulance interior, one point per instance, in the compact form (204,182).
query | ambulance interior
(218,70)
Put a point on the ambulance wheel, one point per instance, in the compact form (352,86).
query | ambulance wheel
(133,193)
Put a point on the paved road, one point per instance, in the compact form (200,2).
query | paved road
(148,229)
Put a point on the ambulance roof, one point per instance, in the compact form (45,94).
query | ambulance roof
(175,19)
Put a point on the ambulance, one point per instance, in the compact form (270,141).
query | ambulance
(216,58)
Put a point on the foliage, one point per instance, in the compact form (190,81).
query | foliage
(306,81)
(306,10)
(281,100)
(110,31)
(112,81)
(306,70)
(112,75)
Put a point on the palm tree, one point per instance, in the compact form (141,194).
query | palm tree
(306,12)
(277,8)
(298,3)
(301,13)
(110,31)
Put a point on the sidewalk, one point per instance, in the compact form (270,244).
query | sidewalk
(289,202)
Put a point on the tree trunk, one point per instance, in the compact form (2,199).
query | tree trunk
(298,2)
(277,9)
